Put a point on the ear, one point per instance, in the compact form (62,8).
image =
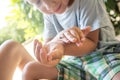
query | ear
(86,30)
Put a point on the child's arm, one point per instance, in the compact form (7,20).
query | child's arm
(52,52)
(88,45)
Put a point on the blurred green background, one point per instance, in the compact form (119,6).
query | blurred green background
(23,21)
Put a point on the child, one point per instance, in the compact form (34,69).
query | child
(93,53)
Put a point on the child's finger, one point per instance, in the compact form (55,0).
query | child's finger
(69,36)
(36,42)
(81,35)
(37,47)
(43,56)
(85,32)
(37,52)
(75,34)
(34,46)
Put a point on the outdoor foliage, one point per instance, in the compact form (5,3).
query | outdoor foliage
(25,21)
(114,13)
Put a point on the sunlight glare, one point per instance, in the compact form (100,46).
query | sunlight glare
(4,9)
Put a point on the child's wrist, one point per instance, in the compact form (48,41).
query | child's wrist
(61,43)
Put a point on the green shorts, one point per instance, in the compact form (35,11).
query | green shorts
(99,65)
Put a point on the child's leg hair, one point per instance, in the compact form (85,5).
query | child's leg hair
(36,71)
(12,54)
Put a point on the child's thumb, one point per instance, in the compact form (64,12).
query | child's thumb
(86,30)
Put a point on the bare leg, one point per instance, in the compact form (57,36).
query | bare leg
(12,54)
(117,76)
(36,71)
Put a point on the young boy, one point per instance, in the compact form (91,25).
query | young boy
(93,53)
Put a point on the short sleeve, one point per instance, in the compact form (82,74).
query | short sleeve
(93,13)
(49,30)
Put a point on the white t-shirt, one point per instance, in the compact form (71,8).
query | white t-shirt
(81,13)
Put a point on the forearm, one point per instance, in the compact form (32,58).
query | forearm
(87,47)
(74,50)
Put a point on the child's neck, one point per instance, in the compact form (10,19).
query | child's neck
(70,2)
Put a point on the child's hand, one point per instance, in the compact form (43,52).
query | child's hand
(50,54)
(74,35)
(55,52)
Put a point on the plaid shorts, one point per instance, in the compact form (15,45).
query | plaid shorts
(100,65)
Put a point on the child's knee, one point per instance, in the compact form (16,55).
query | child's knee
(28,71)
(8,47)
(9,44)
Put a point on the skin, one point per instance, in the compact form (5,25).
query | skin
(48,54)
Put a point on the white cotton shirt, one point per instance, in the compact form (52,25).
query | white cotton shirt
(81,13)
